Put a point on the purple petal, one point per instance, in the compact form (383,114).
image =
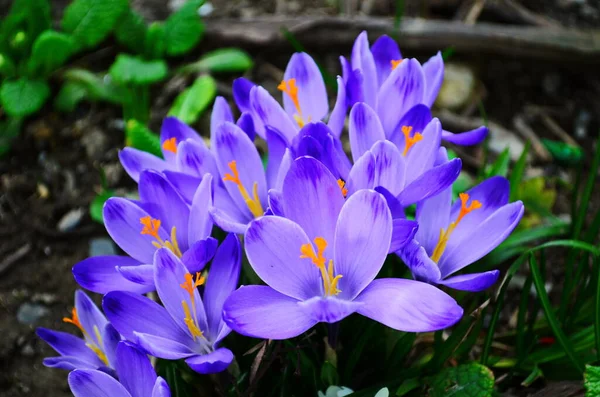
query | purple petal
(312,198)
(329,310)
(161,388)
(402,90)
(362,59)
(276,202)
(475,282)
(199,254)
(222,281)
(277,147)
(195,159)
(362,241)
(385,50)
(241,93)
(140,275)
(246,123)
(483,238)
(434,76)
(273,247)
(431,182)
(211,363)
(354,87)
(365,129)
(92,383)
(433,215)
(467,138)
(186,185)
(171,128)
(416,117)
(69,345)
(261,312)
(135,370)
(312,95)
(421,157)
(200,223)
(169,349)
(338,114)
(129,312)
(390,167)
(420,264)
(227,222)
(362,174)
(270,113)
(111,339)
(221,113)
(69,363)
(169,274)
(89,316)
(403,231)
(393,203)
(98,274)
(170,208)
(409,306)
(135,161)
(284,167)
(232,144)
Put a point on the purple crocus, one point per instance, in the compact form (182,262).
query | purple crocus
(402,91)
(187,327)
(135,373)
(96,350)
(161,218)
(320,263)
(452,236)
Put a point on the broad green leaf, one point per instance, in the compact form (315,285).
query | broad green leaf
(50,51)
(137,71)
(9,130)
(467,380)
(155,41)
(98,88)
(70,94)
(131,31)
(140,137)
(184,29)
(592,381)
(564,154)
(98,203)
(90,21)
(194,100)
(227,60)
(24,22)
(537,199)
(23,97)
(7,66)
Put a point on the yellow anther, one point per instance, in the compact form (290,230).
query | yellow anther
(191,322)
(170,145)
(396,63)
(318,259)
(342,184)
(408,140)
(253,202)
(152,226)
(74,319)
(445,234)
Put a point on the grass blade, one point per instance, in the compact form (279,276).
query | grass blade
(597,307)
(516,175)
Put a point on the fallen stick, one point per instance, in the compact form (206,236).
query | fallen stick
(567,45)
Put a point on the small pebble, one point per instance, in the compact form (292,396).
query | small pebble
(44,298)
(457,89)
(102,246)
(582,123)
(70,220)
(30,313)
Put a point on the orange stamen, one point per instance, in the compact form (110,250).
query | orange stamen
(170,145)
(74,319)
(190,285)
(253,203)
(408,140)
(342,184)
(396,63)
(464,208)
(318,259)
(151,226)
(291,90)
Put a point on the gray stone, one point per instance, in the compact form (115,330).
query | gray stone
(95,143)
(457,89)
(582,123)
(102,246)
(30,313)
(70,220)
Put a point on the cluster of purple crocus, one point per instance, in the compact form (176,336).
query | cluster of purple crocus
(316,224)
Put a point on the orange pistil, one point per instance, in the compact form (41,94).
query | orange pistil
(190,285)
(342,184)
(396,63)
(291,89)
(170,145)
(74,319)
(253,203)
(409,141)
(445,234)
(318,259)
(190,320)
(152,226)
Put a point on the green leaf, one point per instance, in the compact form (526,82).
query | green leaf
(500,166)
(184,29)
(7,66)
(329,375)
(50,51)
(131,31)
(23,97)
(70,94)
(170,372)
(98,203)
(137,71)
(25,21)
(516,174)
(228,60)
(467,380)
(9,130)
(140,137)
(98,88)
(194,100)
(90,21)
(592,381)
(155,41)
(564,154)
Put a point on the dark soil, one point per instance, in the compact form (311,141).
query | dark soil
(55,165)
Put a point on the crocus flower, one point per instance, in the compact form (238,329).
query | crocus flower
(135,373)
(407,169)
(452,236)
(96,350)
(161,218)
(187,327)
(320,263)
(304,100)
(402,91)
